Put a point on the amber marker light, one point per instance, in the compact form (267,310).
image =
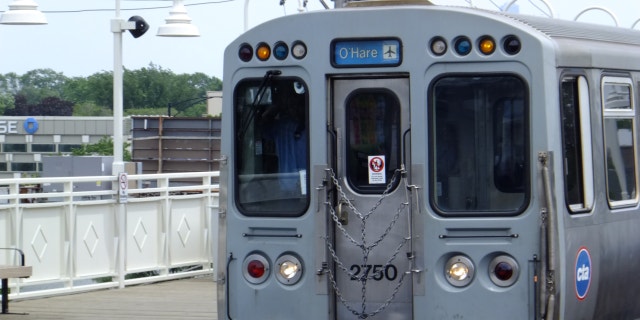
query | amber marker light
(263,51)
(487,45)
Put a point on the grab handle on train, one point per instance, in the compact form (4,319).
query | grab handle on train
(343,216)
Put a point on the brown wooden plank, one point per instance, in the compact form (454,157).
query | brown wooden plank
(188,299)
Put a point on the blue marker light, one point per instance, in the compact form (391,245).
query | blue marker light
(462,46)
(280,51)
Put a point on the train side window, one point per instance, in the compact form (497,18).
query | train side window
(619,142)
(271,147)
(576,142)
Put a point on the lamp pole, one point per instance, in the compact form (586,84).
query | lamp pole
(118,143)
(118,162)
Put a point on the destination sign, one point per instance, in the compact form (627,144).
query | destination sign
(366,52)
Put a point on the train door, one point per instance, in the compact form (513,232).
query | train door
(369,214)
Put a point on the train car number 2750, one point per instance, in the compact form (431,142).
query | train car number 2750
(379,272)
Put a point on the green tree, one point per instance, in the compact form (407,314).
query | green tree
(104,147)
(49,106)
(6,102)
(39,84)
(147,90)
(90,109)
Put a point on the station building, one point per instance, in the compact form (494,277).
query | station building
(160,143)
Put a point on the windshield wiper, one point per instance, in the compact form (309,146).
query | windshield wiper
(262,89)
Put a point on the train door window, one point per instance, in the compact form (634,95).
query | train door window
(478,145)
(576,142)
(271,146)
(374,129)
(619,141)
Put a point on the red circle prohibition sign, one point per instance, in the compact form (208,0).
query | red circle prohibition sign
(376,164)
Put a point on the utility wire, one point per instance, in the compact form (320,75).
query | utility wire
(135,9)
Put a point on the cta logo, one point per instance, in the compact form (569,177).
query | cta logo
(583,273)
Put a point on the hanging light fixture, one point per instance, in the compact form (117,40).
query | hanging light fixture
(23,12)
(178,23)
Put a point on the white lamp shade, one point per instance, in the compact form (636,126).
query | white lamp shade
(23,12)
(178,23)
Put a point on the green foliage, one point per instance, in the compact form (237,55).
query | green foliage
(104,147)
(49,106)
(6,102)
(90,109)
(146,91)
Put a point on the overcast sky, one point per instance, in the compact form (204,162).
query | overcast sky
(77,40)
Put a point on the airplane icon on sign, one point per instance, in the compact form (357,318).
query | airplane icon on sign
(390,51)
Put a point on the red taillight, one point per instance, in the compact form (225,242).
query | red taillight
(255,269)
(503,271)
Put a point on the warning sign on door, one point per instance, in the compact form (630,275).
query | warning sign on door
(376,170)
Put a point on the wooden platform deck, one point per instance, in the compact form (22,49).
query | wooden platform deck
(186,299)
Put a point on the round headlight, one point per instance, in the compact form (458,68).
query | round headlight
(459,271)
(289,269)
(255,268)
(503,271)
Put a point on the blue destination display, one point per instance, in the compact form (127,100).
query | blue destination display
(383,52)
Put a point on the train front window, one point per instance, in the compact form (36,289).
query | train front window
(478,145)
(271,146)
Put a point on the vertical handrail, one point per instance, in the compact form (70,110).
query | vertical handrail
(19,252)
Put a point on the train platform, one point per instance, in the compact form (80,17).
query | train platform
(185,299)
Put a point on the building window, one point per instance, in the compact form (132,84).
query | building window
(23,166)
(68,148)
(43,148)
(14,147)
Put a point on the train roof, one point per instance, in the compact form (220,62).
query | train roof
(582,44)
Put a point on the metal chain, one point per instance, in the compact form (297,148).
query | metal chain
(366,249)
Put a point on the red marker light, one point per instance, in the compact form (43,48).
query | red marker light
(255,268)
(503,271)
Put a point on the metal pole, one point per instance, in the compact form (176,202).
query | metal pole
(246,15)
(118,164)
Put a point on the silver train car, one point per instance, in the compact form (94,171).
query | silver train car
(396,160)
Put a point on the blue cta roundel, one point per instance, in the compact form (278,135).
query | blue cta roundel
(583,273)
(30,125)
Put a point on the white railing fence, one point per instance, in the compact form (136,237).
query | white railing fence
(78,240)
